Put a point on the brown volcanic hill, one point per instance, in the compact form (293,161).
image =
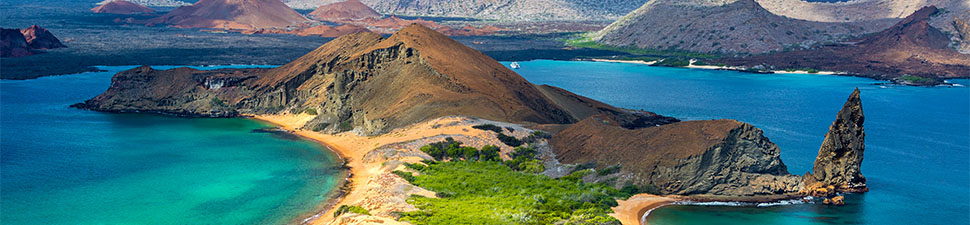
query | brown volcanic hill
(21,42)
(122,7)
(698,158)
(40,38)
(728,26)
(347,10)
(360,81)
(13,43)
(910,47)
(232,14)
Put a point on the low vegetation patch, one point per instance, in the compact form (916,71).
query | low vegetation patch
(915,79)
(479,186)
(648,54)
(350,208)
(489,192)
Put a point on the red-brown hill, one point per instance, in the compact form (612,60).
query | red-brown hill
(342,11)
(911,47)
(232,14)
(122,7)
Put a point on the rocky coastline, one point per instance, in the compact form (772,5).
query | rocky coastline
(366,96)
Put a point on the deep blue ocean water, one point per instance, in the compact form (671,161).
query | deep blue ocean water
(917,138)
(60,165)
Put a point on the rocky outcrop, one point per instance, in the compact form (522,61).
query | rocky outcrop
(342,11)
(837,167)
(23,42)
(712,159)
(232,14)
(911,47)
(361,82)
(727,26)
(122,7)
(962,26)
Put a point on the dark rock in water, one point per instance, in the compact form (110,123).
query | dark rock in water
(837,166)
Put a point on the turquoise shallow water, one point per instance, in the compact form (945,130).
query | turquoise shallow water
(917,138)
(67,166)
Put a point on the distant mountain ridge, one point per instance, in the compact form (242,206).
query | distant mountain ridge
(508,10)
(726,26)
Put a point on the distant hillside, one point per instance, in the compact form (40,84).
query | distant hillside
(513,10)
(727,26)
(154,3)
(347,10)
(122,7)
(911,47)
(232,14)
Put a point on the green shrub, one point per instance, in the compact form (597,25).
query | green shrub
(345,126)
(408,176)
(608,170)
(509,140)
(217,102)
(576,176)
(490,153)
(310,111)
(489,127)
(350,208)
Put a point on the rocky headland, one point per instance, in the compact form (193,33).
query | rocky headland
(369,98)
(25,42)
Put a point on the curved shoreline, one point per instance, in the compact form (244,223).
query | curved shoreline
(633,210)
(337,195)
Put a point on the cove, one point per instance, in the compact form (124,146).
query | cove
(63,165)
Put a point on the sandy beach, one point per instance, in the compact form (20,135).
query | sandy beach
(371,185)
(630,211)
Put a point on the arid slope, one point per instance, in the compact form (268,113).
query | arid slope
(232,14)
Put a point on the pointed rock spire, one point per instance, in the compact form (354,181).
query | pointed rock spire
(837,167)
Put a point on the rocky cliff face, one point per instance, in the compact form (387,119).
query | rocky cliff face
(728,26)
(361,82)
(962,26)
(840,157)
(703,159)
(122,7)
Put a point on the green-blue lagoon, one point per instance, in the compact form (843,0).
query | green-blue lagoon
(63,165)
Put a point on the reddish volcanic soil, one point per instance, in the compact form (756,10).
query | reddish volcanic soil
(348,10)
(122,7)
(910,47)
(232,14)
(319,30)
